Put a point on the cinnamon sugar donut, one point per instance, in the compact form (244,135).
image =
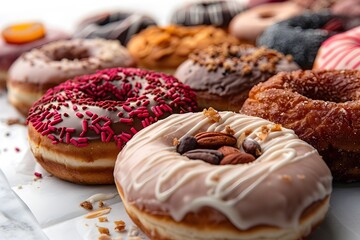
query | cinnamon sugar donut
(322,107)
(40,69)
(341,51)
(223,75)
(174,196)
(165,48)
(78,127)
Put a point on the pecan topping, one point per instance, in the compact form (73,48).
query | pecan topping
(186,144)
(252,147)
(226,150)
(207,155)
(237,158)
(215,139)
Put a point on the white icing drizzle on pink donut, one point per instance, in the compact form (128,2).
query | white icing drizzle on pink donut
(273,190)
(341,51)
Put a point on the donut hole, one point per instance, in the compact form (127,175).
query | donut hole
(325,88)
(265,15)
(70,53)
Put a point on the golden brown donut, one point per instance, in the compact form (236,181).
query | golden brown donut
(165,48)
(322,107)
(223,75)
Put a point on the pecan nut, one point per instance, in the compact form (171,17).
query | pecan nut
(237,158)
(186,144)
(214,140)
(252,147)
(207,155)
(226,150)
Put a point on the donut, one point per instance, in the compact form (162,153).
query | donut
(340,51)
(77,128)
(113,25)
(207,12)
(248,25)
(223,75)
(316,5)
(172,194)
(301,36)
(40,69)
(165,48)
(346,8)
(254,3)
(19,38)
(321,107)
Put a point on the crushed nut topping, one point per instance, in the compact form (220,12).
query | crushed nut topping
(103,230)
(265,130)
(87,205)
(101,204)
(103,219)
(212,114)
(176,142)
(98,213)
(276,128)
(229,130)
(120,226)
(104,237)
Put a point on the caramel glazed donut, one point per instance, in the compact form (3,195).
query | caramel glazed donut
(321,107)
(40,69)
(77,128)
(174,196)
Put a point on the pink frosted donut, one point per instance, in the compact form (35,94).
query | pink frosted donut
(341,51)
(247,26)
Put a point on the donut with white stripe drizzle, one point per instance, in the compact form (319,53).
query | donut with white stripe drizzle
(113,25)
(283,194)
(341,51)
(207,12)
(77,128)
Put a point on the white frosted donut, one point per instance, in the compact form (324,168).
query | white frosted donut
(283,194)
(248,25)
(341,51)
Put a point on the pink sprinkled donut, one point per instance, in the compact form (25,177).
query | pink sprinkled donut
(341,51)
(77,128)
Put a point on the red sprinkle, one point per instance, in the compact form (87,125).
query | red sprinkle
(38,175)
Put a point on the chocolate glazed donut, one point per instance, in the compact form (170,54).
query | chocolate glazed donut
(322,107)
(117,25)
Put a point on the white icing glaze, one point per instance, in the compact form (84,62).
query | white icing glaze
(341,51)
(273,190)
(101,197)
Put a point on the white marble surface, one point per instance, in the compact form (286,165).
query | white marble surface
(16,221)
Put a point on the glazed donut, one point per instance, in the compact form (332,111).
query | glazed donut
(247,26)
(301,36)
(223,75)
(115,26)
(207,12)
(78,127)
(183,196)
(165,48)
(341,51)
(321,107)
(40,69)
(11,47)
